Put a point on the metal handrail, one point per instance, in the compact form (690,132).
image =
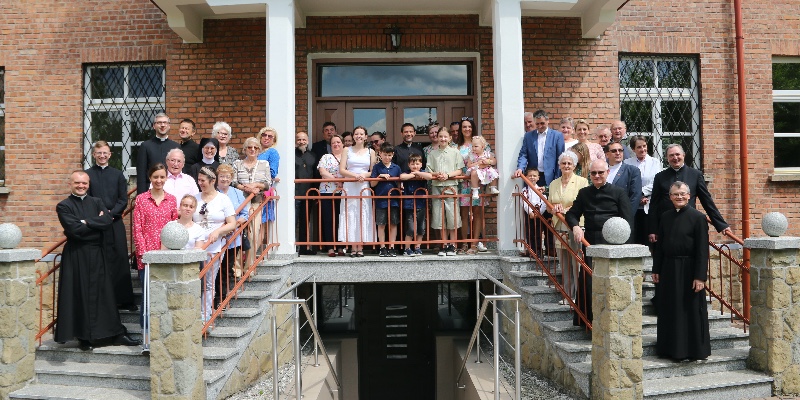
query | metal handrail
(311,321)
(494,298)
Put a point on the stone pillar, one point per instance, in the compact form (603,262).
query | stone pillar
(176,349)
(281,112)
(509,109)
(18,317)
(775,311)
(617,325)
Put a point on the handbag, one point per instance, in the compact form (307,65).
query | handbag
(245,240)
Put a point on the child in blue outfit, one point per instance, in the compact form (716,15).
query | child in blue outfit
(386,210)
(414,209)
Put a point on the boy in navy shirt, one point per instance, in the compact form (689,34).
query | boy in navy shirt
(415,210)
(386,210)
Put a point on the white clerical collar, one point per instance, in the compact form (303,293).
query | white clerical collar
(80,197)
(164,139)
(103,166)
(677,169)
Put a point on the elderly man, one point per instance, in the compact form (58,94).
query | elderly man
(190,148)
(596,203)
(86,302)
(322,147)
(693,178)
(680,266)
(153,151)
(111,187)
(618,133)
(603,135)
(540,149)
(403,150)
(178,184)
(627,177)
(304,166)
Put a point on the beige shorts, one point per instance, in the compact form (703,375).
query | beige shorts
(452,216)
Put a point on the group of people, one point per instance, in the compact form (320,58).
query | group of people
(590,182)
(199,185)
(346,207)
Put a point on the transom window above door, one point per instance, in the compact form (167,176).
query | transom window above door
(394,80)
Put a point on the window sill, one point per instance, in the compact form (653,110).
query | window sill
(785,177)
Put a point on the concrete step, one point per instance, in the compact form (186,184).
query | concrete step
(114,376)
(212,376)
(540,294)
(532,278)
(226,336)
(64,392)
(69,352)
(217,356)
(715,321)
(727,385)
(237,316)
(564,331)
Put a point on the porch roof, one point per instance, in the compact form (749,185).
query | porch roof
(185,17)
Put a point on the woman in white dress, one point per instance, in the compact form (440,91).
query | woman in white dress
(356,224)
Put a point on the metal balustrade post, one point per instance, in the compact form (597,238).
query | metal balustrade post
(517,351)
(275,378)
(314,307)
(478,310)
(298,384)
(496,346)
(146,310)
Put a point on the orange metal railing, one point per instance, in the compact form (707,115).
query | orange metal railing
(42,277)
(316,239)
(261,246)
(729,269)
(547,264)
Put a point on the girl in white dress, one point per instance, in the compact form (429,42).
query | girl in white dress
(186,209)
(356,224)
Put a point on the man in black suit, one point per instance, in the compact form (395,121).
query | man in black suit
(678,171)
(403,150)
(323,146)
(628,177)
(153,151)
(191,151)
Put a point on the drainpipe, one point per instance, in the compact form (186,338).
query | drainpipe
(745,181)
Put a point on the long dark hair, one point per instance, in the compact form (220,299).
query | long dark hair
(475,131)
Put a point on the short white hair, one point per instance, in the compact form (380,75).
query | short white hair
(219,125)
(178,151)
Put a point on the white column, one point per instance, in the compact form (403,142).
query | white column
(281,111)
(509,107)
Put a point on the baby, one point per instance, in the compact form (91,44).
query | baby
(480,167)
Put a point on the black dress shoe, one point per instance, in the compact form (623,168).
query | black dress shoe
(125,340)
(85,345)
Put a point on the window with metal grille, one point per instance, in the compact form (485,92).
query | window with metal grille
(119,104)
(659,98)
(2,126)
(786,113)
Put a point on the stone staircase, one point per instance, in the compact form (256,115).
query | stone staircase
(122,372)
(724,375)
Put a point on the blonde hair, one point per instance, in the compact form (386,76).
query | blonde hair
(252,141)
(268,129)
(582,122)
(482,140)
(225,169)
(582,150)
(189,196)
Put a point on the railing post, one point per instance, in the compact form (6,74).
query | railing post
(176,349)
(17,317)
(517,352)
(617,368)
(314,307)
(298,361)
(496,347)
(275,371)
(774,325)
(478,315)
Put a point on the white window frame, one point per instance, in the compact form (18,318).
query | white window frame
(122,105)
(657,95)
(785,96)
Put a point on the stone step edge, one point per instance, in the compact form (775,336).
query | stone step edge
(655,363)
(97,370)
(565,325)
(650,340)
(708,382)
(51,391)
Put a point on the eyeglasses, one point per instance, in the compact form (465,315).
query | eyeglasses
(162,123)
(251,148)
(267,135)
(204,223)
(466,119)
(615,151)
(597,173)
(679,194)
(203,209)
(223,133)
(376,141)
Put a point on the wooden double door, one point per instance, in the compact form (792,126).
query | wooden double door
(389,116)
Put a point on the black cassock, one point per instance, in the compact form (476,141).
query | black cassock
(86,305)
(596,205)
(681,256)
(109,185)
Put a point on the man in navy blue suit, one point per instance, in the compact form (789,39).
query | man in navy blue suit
(540,149)
(623,175)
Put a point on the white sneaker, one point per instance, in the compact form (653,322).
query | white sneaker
(442,252)
(451,250)
(493,190)
(481,247)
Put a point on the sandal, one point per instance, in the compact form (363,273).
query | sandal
(462,250)
(331,253)
(472,251)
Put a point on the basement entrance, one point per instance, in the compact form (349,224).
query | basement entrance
(396,343)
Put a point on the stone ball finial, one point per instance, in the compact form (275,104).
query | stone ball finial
(616,230)
(10,236)
(774,224)
(174,236)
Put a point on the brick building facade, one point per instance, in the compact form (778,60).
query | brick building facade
(43,52)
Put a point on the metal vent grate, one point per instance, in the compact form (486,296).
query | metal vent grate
(120,102)
(660,99)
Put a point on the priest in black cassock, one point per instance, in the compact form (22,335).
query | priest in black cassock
(597,203)
(86,304)
(109,185)
(680,266)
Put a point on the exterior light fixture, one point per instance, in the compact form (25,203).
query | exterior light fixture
(394,35)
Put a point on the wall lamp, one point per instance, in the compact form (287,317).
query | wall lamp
(394,35)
